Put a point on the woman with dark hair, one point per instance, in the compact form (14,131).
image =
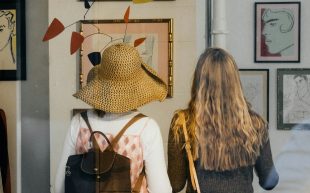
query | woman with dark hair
(227,137)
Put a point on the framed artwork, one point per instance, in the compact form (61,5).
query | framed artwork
(156,50)
(129,0)
(277,32)
(255,85)
(293,93)
(12,40)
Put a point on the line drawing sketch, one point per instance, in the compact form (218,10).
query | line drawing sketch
(146,49)
(296,98)
(253,90)
(7,45)
(278,25)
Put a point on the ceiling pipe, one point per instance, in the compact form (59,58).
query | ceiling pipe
(209,23)
(219,29)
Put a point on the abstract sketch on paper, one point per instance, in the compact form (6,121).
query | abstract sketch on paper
(255,92)
(296,98)
(147,49)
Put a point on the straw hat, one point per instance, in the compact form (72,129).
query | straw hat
(122,82)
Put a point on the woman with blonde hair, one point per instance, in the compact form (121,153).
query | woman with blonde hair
(228,139)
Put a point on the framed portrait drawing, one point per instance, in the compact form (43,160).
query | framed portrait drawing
(277,32)
(293,93)
(156,50)
(255,85)
(12,40)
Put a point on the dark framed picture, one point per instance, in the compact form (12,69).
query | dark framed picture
(293,93)
(255,85)
(277,32)
(12,41)
(156,50)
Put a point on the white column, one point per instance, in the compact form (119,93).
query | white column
(219,30)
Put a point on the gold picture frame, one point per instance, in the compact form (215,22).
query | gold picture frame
(156,50)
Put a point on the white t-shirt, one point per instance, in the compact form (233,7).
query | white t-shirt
(151,140)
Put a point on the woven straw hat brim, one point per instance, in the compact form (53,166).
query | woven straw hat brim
(123,96)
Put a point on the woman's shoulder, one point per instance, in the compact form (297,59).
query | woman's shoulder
(179,113)
(179,116)
(258,121)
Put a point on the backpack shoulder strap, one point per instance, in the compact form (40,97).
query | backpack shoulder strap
(119,135)
(85,118)
(138,184)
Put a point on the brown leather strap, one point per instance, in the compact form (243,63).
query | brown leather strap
(85,117)
(138,184)
(192,169)
(120,134)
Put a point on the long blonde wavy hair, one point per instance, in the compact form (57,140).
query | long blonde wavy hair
(224,131)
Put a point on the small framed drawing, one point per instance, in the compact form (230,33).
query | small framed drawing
(277,32)
(293,93)
(255,84)
(12,40)
(156,50)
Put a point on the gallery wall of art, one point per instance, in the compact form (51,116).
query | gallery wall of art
(241,39)
(188,37)
(241,43)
